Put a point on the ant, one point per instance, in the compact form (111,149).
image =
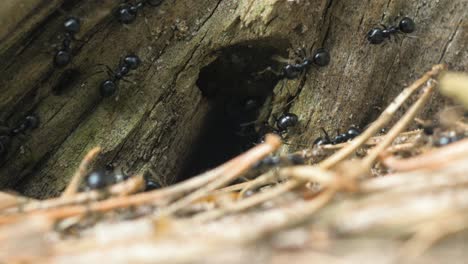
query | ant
(29,122)
(127,12)
(99,179)
(378,35)
(320,58)
(6,134)
(285,121)
(448,139)
(271,161)
(63,56)
(109,86)
(150,184)
(340,138)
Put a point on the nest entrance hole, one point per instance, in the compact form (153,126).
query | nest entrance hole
(236,87)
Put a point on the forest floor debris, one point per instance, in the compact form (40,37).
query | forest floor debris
(390,196)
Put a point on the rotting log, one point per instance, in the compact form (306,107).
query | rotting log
(152,125)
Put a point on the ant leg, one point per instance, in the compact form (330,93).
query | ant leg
(384,43)
(398,39)
(127,81)
(301,53)
(412,36)
(280,59)
(327,137)
(268,69)
(396,20)
(94,73)
(109,71)
(392,38)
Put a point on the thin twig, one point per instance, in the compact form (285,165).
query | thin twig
(272,142)
(248,202)
(130,186)
(371,157)
(430,160)
(266,178)
(80,173)
(246,159)
(383,119)
(8,200)
(312,174)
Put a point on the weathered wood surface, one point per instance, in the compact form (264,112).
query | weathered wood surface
(152,125)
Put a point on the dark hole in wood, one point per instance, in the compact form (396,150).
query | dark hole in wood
(236,90)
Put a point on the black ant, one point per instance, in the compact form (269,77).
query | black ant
(273,161)
(29,122)
(150,184)
(99,179)
(285,121)
(63,56)
(109,86)
(320,57)
(127,12)
(448,139)
(378,35)
(6,133)
(340,138)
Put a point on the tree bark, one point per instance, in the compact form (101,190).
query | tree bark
(153,125)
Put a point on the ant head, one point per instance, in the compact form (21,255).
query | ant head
(107,88)
(150,184)
(291,72)
(62,58)
(125,14)
(32,121)
(376,36)
(132,61)
(321,57)
(251,104)
(353,131)
(72,25)
(287,120)
(407,25)
(327,137)
(99,179)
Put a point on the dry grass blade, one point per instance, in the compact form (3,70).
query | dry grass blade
(369,160)
(72,188)
(430,160)
(383,119)
(8,200)
(245,162)
(130,186)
